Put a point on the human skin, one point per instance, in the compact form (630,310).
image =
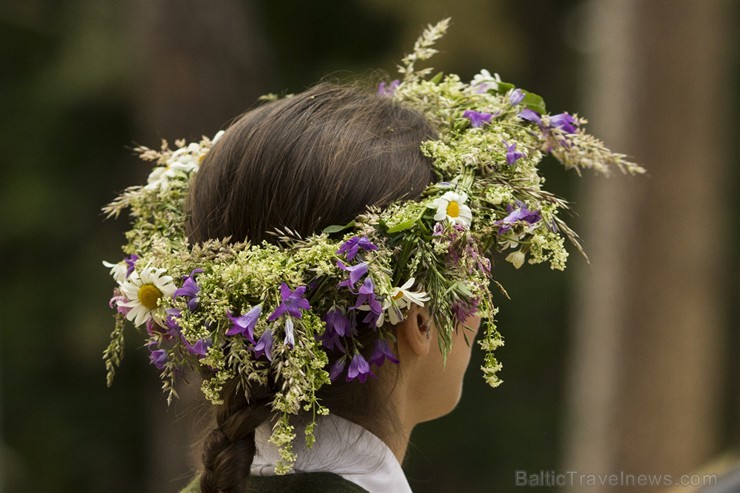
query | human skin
(425,387)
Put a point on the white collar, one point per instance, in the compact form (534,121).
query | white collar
(342,447)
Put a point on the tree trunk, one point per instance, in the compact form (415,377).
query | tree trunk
(645,381)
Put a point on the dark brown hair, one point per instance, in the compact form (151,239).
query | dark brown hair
(305,162)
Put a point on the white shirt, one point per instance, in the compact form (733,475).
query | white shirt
(342,447)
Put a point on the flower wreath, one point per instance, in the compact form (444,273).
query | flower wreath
(274,311)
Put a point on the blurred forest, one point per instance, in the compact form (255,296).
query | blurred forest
(625,363)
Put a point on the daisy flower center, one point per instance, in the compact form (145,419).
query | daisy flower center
(148,296)
(453,209)
(397,295)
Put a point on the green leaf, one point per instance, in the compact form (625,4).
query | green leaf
(402,226)
(437,78)
(534,102)
(335,228)
(504,87)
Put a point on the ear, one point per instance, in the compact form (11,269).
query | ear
(415,330)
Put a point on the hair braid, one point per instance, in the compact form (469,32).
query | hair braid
(228,450)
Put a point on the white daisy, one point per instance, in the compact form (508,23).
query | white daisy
(484,81)
(401,298)
(118,271)
(452,206)
(143,291)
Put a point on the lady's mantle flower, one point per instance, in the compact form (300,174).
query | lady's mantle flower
(244,324)
(190,290)
(352,246)
(451,206)
(143,291)
(359,369)
(477,119)
(403,298)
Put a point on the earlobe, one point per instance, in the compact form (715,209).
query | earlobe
(416,330)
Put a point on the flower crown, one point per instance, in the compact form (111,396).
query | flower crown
(274,312)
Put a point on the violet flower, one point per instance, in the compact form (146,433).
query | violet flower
(564,122)
(130,261)
(244,324)
(516,97)
(530,116)
(289,333)
(337,368)
(332,341)
(292,302)
(337,322)
(515,215)
(463,310)
(199,348)
(366,300)
(388,90)
(157,357)
(381,353)
(352,246)
(264,345)
(512,155)
(359,369)
(171,322)
(477,119)
(190,290)
(355,273)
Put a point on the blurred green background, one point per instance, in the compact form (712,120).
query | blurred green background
(84,81)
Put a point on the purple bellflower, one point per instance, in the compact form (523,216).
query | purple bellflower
(476,118)
(130,261)
(337,322)
(173,328)
(190,290)
(366,298)
(564,122)
(388,90)
(264,345)
(200,348)
(512,155)
(359,369)
(244,324)
(352,246)
(530,116)
(337,368)
(515,215)
(158,357)
(289,333)
(382,352)
(516,97)
(292,302)
(355,273)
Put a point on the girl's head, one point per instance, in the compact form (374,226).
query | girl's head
(303,163)
(309,161)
